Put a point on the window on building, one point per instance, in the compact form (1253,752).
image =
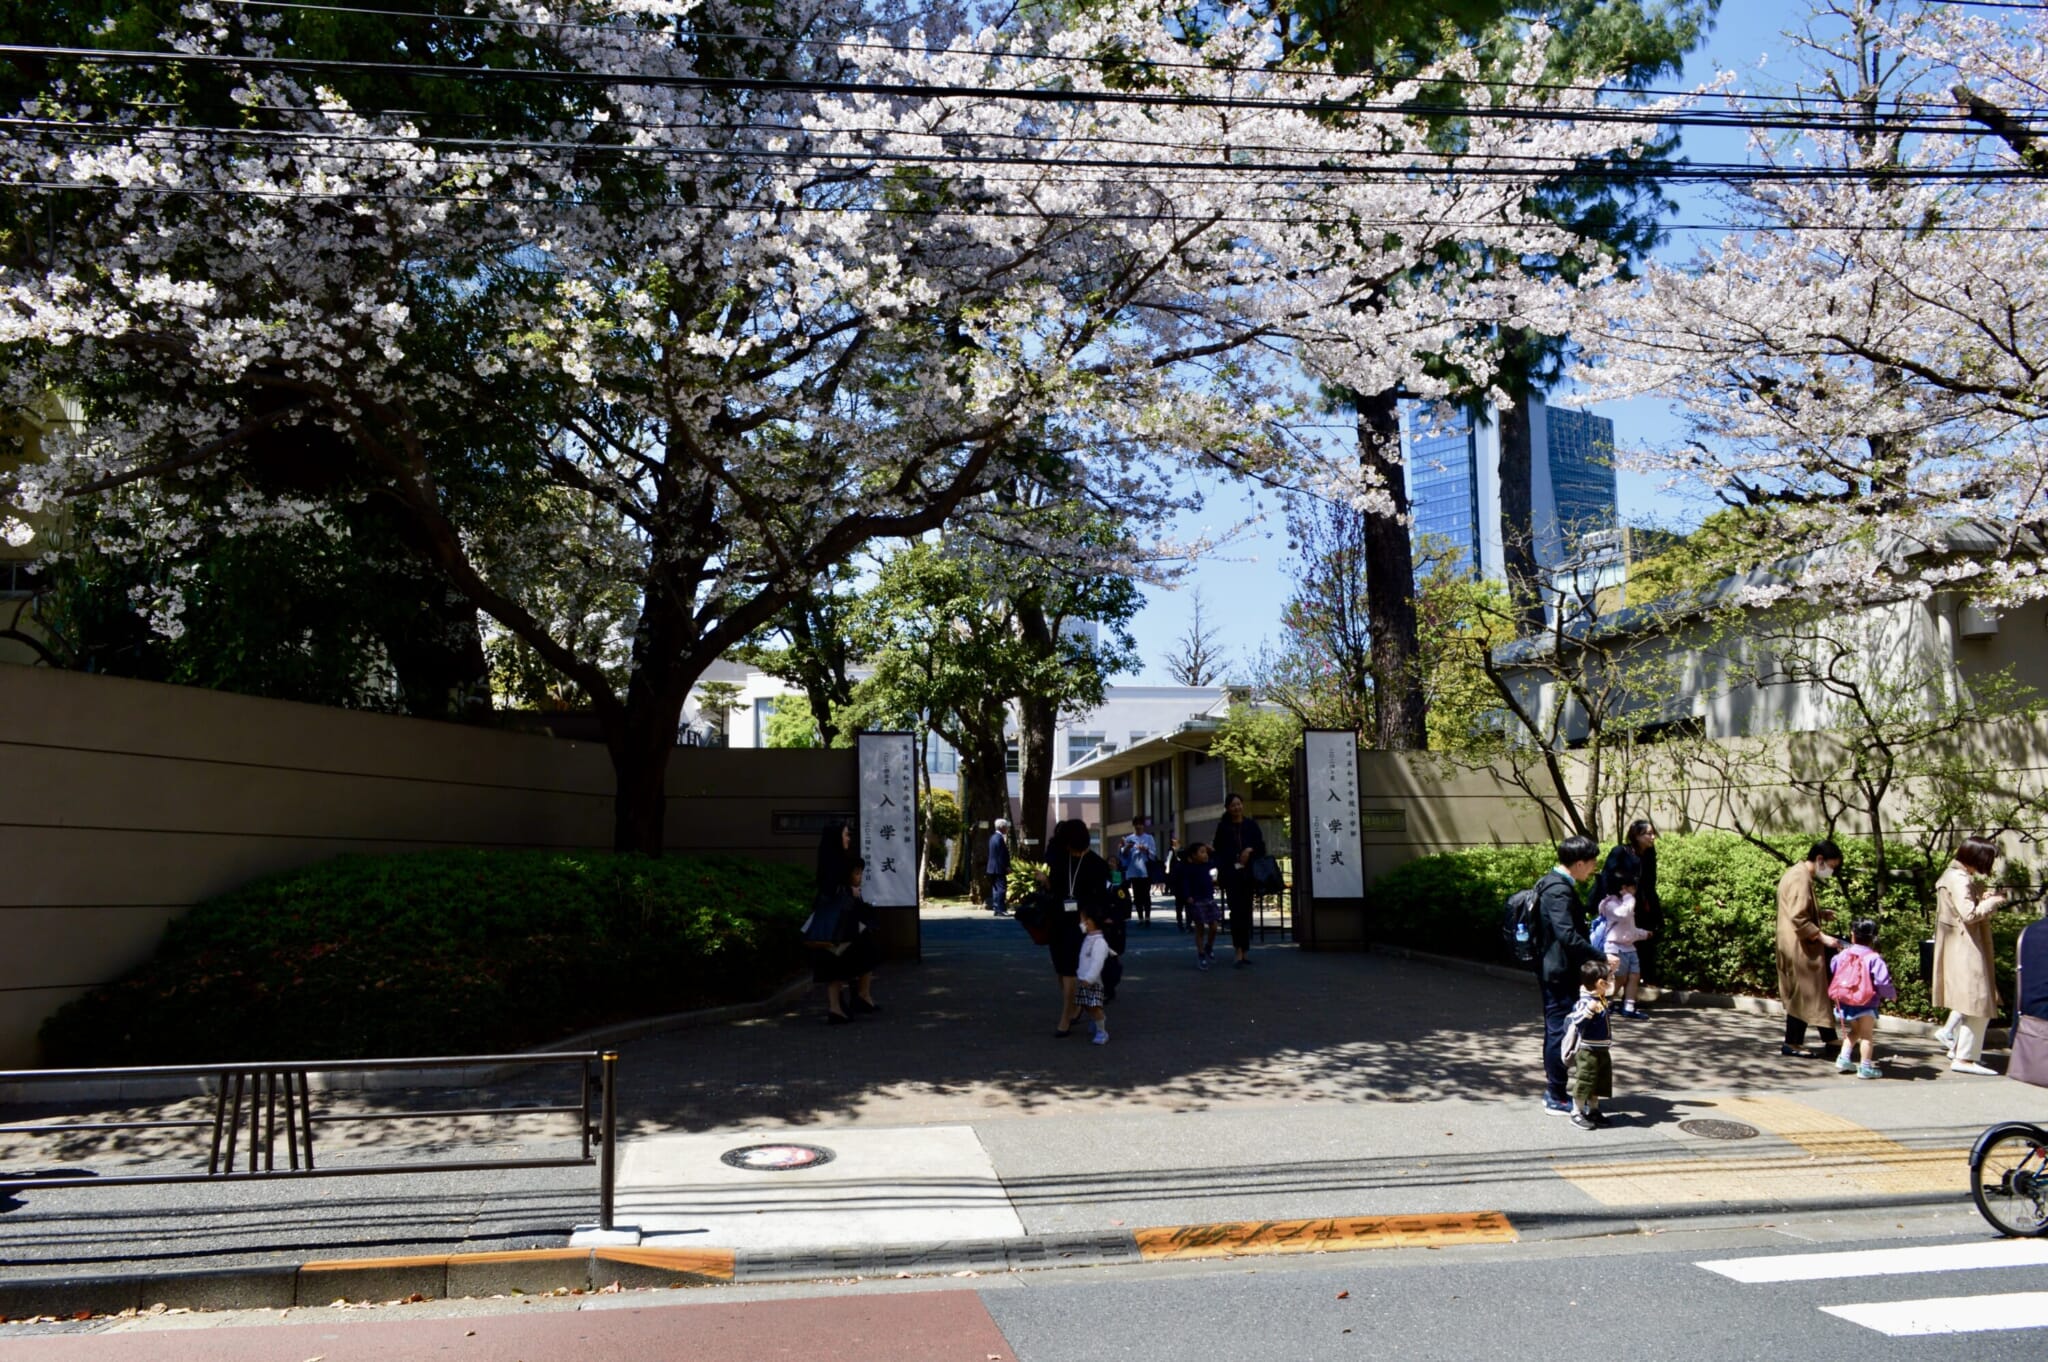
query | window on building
(1011,762)
(1080,745)
(945,761)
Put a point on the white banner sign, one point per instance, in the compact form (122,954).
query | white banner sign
(1336,869)
(888,820)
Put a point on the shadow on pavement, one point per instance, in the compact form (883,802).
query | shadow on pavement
(968,1032)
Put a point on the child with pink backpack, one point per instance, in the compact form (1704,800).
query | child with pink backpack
(1860,982)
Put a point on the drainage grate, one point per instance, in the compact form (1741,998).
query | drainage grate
(776,1158)
(1719,1130)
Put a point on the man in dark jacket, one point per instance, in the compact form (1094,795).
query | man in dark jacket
(1561,946)
(999,867)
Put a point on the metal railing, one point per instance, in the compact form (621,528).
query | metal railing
(250,1099)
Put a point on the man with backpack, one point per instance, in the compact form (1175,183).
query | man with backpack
(1558,942)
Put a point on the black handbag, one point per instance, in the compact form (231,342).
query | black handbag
(1031,914)
(1265,875)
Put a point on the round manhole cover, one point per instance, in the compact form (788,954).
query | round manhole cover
(776,1158)
(1718,1130)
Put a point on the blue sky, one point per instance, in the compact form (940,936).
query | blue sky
(1243,586)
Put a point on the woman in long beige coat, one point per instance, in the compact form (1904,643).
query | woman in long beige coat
(1965,980)
(1803,946)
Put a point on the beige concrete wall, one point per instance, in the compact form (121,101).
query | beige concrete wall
(123,802)
(1727,785)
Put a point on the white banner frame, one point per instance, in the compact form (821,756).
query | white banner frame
(1336,849)
(886,819)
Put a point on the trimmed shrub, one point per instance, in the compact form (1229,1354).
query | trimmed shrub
(1720,899)
(1451,903)
(443,952)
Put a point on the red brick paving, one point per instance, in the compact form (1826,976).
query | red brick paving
(917,1326)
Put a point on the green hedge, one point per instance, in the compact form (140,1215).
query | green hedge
(1719,894)
(447,952)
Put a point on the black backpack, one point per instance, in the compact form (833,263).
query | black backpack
(1518,927)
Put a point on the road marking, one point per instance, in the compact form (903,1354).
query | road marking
(1873,1160)
(1330,1235)
(1830,1158)
(1811,1267)
(1954,1315)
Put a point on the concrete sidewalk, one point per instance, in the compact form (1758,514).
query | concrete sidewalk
(1308,1086)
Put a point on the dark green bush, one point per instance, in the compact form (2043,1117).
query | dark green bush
(1451,903)
(1720,898)
(450,952)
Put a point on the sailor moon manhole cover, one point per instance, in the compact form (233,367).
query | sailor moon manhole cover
(1718,1130)
(777,1158)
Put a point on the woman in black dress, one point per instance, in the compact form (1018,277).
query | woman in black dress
(1074,878)
(855,964)
(1238,840)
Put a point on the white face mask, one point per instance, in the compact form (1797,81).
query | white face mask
(1824,871)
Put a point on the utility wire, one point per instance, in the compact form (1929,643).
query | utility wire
(1955,123)
(1022,54)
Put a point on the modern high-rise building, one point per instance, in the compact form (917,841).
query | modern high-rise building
(1453,464)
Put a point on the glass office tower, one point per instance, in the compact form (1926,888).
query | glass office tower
(1453,465)
(1443,480)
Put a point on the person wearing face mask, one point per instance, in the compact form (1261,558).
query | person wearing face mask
(1803,946)
(1965,980)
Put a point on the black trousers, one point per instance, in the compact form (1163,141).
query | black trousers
(1795,1033)
(1238,894)
(1557,1010)
(1141,898)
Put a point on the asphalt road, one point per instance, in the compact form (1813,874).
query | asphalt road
(1639,1296)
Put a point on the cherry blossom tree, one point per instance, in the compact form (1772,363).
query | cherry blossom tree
(748,290)
(1867,359)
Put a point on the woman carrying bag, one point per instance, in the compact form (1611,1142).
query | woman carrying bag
(1074,877)
(1965,979)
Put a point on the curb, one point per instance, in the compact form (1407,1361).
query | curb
(1995,1038)
(575,1270)
(140,1089)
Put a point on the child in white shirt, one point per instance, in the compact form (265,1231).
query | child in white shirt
(1617,934)
(1095,953)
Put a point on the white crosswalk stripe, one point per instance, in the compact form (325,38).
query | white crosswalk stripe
(1814,1267)
(1953,1315)
(1911,1318)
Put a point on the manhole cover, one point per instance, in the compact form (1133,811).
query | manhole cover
(779,1158)
(1718,1130)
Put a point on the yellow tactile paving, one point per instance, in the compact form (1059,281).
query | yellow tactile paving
(1831,1157)
(715,1264)
(443,1259)
(1328,1235)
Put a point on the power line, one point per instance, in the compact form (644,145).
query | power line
(1948,123)
(1145,63)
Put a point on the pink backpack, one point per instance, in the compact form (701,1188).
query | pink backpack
(1852,985)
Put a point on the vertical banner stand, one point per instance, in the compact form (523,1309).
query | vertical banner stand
(1329,854)
(887,837)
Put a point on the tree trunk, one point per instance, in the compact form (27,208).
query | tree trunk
(1398,704)
(1036,721)
(984,797)
(640,803)
(1518,516)
(438,654)
(642,738)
